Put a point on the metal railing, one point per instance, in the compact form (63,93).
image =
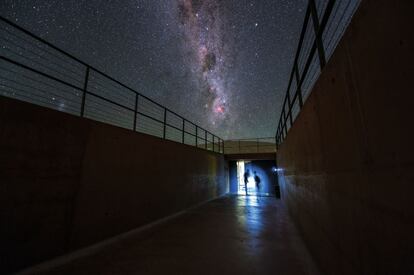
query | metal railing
(35,71)
(247,146)
(324,24)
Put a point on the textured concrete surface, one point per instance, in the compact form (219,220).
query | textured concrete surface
(348,160)
(67,182)
(251,156)
(231,235)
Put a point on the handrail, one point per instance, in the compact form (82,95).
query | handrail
(248,146)
(317,46)
(86,105)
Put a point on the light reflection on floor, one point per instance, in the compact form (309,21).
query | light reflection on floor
(230,235)
(251,219)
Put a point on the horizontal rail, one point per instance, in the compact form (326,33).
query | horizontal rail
(247,146)
(58,99)
(317,47)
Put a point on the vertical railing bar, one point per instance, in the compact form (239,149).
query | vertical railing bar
(299,48)
(298,87)
(286,130)
(136,111)
(290,108)
(318,34)
(302,34)
(183,130)
(205,141)
(277,135)
(278,127)
(85,88)
(196,136)
(219,145)
(307,65)
(165,122)
(326,16)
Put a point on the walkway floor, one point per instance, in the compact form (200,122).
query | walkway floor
(231,235)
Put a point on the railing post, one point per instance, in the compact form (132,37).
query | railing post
(278,130)
(290,108)
(165,123)
(205,141)
(276,143)
(83,92)
(284,118)
(318,33)
(298,86)
(183,130)
(85,88)
(136,112)
(286,130)
(196,136)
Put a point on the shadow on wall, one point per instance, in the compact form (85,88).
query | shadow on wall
(68,182)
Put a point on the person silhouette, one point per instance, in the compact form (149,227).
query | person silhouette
(257,181)
(246,179)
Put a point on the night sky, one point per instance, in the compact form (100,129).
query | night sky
(221,64)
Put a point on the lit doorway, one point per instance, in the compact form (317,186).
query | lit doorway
(243,167)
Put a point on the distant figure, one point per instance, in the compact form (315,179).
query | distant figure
(257,181)
(246,179)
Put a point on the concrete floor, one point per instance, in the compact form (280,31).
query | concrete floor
(230,235)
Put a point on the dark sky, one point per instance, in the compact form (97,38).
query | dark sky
(221,64)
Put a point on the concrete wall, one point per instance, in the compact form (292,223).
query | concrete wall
(233,185)
(348,161)
(67,182)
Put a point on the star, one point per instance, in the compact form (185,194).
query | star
(223,65)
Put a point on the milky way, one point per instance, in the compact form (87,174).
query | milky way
(203,27)
(223,64)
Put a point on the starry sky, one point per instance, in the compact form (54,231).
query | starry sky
(221,64)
